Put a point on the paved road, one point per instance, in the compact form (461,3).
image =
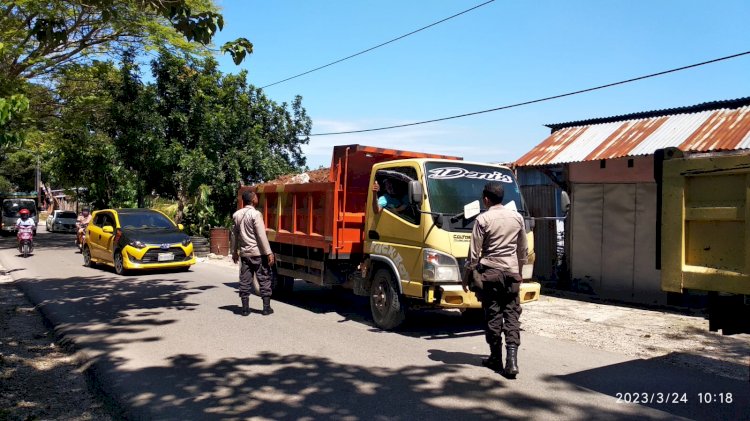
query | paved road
(172,346)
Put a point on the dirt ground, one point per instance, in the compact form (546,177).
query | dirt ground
(40,380)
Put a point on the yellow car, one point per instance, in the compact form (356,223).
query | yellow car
(128,239)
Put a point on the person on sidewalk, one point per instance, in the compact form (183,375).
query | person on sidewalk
(497,252)
(250,246)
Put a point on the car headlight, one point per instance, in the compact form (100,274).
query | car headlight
(137,244)
(439,267)
(186,242)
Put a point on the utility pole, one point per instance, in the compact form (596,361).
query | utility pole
(38,183)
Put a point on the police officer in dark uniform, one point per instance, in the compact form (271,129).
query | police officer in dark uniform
(497,254)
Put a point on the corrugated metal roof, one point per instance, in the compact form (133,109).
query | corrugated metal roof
(705,130)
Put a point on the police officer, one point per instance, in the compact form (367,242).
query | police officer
(250,245)
(498,252)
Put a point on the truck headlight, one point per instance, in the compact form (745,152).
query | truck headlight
(439,267)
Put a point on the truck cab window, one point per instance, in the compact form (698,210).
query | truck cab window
(393,195)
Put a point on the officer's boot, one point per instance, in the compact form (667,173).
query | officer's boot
(495,360)
(245,306)
(511,363)
(267,306)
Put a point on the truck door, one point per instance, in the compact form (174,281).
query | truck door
(396,233)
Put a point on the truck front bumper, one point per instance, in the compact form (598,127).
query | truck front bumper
(454,296)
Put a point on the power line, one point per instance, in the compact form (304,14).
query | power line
(505,107)
(379,45)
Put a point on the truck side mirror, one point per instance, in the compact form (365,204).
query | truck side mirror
(565,202)
(415,192)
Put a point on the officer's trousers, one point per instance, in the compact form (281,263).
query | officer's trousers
(255,266)
(502,308)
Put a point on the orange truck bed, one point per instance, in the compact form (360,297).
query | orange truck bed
(330,215)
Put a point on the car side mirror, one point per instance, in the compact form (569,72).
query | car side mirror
(108,229)
(415,192)
(180,227)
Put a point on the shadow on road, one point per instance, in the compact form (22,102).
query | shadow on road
(420,323)
(285,387)
(292,387)
(656,383)
(43,240)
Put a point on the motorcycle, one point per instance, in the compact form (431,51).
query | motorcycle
(25,238)
(81,236)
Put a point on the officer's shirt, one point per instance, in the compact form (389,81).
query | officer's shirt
(499,240)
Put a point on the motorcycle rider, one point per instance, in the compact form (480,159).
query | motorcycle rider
(83,219)
(24,220)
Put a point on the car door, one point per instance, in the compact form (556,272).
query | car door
(98,240)
(106,239)
(93,235)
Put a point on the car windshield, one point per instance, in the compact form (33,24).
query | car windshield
(451,186)
(67,215)
(144,220)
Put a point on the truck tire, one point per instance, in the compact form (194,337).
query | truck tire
(386,304)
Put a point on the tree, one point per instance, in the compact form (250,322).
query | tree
(82,153)
(19,169)
(222,131)
(41,35)
(137,131)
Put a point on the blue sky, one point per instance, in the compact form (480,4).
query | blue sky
(499,54)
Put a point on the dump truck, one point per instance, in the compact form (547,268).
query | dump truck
(703,214)
(330,234)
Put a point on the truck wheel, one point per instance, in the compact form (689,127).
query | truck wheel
(387,306)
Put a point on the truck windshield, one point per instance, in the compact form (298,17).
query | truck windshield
(451,186)
(12,206)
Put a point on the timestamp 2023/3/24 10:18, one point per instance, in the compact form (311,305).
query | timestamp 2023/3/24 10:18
(673,398)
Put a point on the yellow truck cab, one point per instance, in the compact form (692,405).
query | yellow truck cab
(421,251)
(410,254)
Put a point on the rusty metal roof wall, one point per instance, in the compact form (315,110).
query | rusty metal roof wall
(704,131)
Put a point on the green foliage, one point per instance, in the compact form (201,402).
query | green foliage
(200,214)
(39,35)
(11,111)
(192,136)
(166,206)
(5,185)
(19,170)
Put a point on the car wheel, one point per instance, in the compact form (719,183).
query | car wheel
(119,263)
(387,306)
(87,257)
